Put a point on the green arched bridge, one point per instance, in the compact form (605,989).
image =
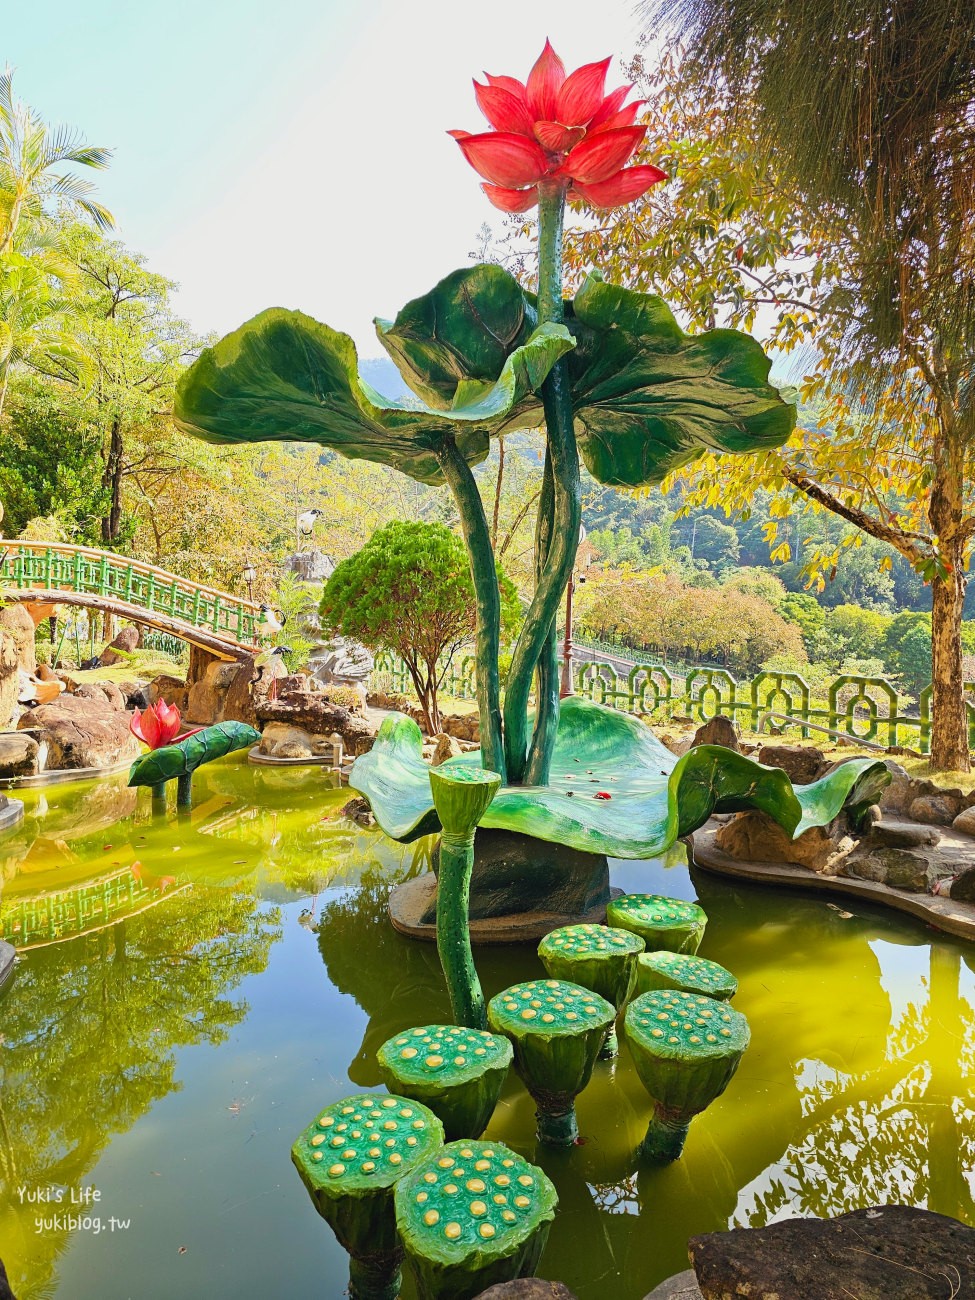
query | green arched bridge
(43,574)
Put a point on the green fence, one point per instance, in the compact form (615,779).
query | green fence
(100,573)
(863,708)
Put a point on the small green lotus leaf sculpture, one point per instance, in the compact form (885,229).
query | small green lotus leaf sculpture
(678,970)
(686,1049)
(557,1030)
(180,760)
(599,958)
(474,1215)
(457,1072)
(653,797)
(663,923)
(350,1158)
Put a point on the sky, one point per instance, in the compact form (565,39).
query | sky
(292,152)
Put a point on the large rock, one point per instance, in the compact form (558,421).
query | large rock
(682,1287)
(899,868)
(444,747)
(82,733)
(755,837)
(107,691)
(937,809)
(205,699)
(251,687)
(128,641)
(18,754)
(964,823)
(718,730)
(18,624)
(9,679)
(892,1252)
(171,689)
(312,712)
(801,763)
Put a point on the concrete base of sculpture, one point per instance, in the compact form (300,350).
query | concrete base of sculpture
(521,889)
(415,900)
(8,957)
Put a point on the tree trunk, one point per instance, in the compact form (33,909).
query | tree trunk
(112,480)
(949,715)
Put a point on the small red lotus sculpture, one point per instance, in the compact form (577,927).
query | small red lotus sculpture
(558,127)
(157,725)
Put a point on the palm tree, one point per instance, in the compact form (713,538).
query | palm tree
(31,158)
(37,320)
(867,107)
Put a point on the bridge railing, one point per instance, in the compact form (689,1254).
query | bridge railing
(863,708)
(63,567)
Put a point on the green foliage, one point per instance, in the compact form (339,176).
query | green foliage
(410,590)
(807,614)
(913,660)
(50,465)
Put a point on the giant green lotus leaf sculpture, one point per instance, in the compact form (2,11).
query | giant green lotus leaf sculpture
(615,789)
(613,379)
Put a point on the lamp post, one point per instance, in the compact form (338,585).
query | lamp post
(565,685)
(249,574)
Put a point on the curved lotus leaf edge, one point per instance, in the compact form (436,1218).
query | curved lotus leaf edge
(655,796)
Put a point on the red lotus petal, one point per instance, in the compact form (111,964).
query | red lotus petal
(557,138)
(135,726)
(602,794)
(582,93)
(503,110)
(149,728)
(624,187)
(511,84)
(460,135)
(625,117)
(544,83)
(505,159)
(511,200)
(610,105)
(602,155)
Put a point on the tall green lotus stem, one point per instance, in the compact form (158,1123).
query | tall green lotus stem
(532,763)
(461,796)
(664,1139)
(547,677)
(159,792)
(184,790)
(484,573)
(370,1281)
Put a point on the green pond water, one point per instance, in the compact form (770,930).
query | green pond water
(194,989)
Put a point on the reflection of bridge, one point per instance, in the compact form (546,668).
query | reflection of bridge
(53,573)
(43,919)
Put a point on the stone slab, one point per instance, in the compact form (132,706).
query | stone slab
(528,1288)
(268,760)
(62,775)
(888,1252)
(11,813)
(682,1287)
(949,915)
(409,902)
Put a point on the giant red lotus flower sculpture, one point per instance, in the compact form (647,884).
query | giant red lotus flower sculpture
(558,127)
(158,725)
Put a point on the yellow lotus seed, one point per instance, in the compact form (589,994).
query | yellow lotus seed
(450,1189)
(503,1180)
(475,1185)
(422,1197)
(434,1061)
(335,1170)
(431,1217)
(396,1158)
(524,1180)
(429,1178)
(368,1167)
(509,1216)
(478,1208)
(318,1139)
(445,1163)
(452,1231)
(522,1201)
(389,1103)
(408,1053)
(316,1155)
(486,1230)
(326,1121)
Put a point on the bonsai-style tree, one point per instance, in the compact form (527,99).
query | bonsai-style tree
(409,590)
(613,380)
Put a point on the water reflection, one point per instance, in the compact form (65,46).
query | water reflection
(857,1087)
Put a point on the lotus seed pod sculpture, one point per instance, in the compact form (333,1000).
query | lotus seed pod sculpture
(661,922)
(676,970)
(349,1159)
(597,957)
(557,1030)
(457,1072)
(180,761)
(473,1215)
(461,796)
(685,1048)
